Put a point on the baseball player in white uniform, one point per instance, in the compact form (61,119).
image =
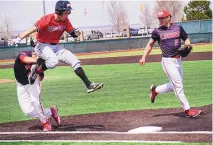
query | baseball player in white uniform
(29,94)
(168,36)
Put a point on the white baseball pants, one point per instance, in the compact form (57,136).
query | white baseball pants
(54,53)
(173,69)
(30,103)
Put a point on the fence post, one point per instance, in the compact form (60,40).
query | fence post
(200,26)
(13,53)
(87,47)
(109,45)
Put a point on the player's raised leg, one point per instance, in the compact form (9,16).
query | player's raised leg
(155,90)
(47,60)
(67,57)
(46,51)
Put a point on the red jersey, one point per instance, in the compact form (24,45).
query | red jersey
(50,30)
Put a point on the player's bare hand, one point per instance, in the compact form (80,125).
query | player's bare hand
(142,61)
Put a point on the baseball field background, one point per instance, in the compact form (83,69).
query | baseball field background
(126,88)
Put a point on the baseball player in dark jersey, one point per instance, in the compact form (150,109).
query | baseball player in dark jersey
(169,36)
(29,95)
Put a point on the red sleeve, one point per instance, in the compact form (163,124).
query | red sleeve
(22,55)
(42,23)
(69,27)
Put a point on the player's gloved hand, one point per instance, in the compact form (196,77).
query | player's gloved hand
(184,51)
(17,41)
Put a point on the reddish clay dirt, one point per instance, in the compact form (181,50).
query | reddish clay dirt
(150,58)
(168,119)
(134,59)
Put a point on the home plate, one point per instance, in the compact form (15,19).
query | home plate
(146,129)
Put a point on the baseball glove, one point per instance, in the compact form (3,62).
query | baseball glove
(184,51)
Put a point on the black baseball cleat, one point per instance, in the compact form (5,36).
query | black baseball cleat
(32,75)
(94,86)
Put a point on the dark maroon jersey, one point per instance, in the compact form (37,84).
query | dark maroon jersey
(169,38)
(21,70)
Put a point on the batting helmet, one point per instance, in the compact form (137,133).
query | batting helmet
(62,6)
(163,13)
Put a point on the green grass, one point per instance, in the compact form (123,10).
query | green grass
(126,88)
(53,143)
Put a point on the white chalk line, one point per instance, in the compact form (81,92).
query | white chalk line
(108,132)
(102,132)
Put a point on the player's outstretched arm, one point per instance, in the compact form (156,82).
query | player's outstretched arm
(147,50)
(28,60)
(24,35)
(28,32)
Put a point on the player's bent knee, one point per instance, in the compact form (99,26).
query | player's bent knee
(76,65)
(71,59)
(52,63)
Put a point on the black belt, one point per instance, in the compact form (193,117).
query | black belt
(50,43)
(176,56)
(53,43)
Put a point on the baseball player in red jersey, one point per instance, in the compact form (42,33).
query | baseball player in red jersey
(168,36)
(29,95)
(49,30)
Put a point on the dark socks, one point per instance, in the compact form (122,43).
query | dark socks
(80,72)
